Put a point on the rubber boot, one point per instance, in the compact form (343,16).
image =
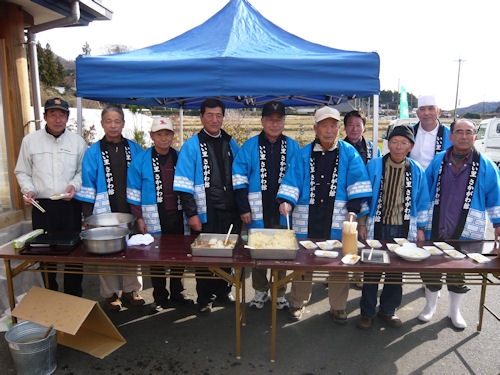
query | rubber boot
(431,299)
(455,299)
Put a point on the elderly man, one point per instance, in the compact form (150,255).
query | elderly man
(464,185)
(50,163)
(104,190)
(354,124)
(157,207)
(430,136)
(399,205)
(258,170)
(203,178)
(326,184)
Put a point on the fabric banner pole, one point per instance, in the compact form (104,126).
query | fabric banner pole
(375,126)
(79,116)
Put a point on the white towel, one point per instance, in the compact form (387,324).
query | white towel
(140,239)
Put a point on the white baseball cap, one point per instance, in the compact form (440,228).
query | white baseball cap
(425,100)
(326,112)
(160,123)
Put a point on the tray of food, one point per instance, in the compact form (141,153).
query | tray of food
(212,245)
(272,243)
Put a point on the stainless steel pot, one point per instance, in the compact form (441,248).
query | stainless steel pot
(113,219)
(107,240)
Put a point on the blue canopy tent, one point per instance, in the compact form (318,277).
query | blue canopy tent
(238,56)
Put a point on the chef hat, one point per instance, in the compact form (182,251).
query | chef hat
(425,100)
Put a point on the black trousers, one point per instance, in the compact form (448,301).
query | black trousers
(171,224)
(60,216)
(218,221)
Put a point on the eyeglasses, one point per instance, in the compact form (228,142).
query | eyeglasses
(468,133)
(396,143)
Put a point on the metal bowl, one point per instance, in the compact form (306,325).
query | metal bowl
(107,240)
(113,219)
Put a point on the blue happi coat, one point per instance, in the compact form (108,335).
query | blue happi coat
(352,183)
(419,197)
(141,189)
(189,173)
(94,189)
(246,174)
(486,197)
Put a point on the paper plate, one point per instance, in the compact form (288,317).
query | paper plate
(412,253)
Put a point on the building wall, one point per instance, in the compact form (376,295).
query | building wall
(16,95)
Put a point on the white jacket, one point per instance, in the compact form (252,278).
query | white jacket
(47,165)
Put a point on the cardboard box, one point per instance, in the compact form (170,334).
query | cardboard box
(81,323)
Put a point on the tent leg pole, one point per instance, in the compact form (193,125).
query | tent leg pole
(375,126)
(181,115)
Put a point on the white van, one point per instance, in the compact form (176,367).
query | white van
(488,139)
(392,124)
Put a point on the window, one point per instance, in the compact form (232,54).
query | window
(482,130)
(6,202)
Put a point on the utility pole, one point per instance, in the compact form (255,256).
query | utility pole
(458,82)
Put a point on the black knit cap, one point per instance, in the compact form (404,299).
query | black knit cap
(403,131)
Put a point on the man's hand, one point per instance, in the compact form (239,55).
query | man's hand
(29,195)
(195,223)
(70,190)
(246,218)
(420,235)
(285,208)
(351,217)
(141,226)
(362,232)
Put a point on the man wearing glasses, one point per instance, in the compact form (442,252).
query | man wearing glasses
(258,170)
(463,185)
(399,204)
(431,137)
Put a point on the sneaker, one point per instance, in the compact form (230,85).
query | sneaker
(282,303)
(164,303)
(181,299)
(113,303)
(339,316)
(205,309)
(296,312)
(364,322)
(132,298)
(227,299)
(258,300)
(391,320)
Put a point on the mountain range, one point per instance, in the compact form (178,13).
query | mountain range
(482,107)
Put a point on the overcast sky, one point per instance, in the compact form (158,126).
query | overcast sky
(419,42)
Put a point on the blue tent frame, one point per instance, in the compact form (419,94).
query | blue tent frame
(238,56)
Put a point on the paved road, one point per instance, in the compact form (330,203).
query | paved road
(177,341)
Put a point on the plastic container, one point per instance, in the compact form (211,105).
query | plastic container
(31,354)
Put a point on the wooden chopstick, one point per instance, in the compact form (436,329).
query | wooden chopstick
(35,203)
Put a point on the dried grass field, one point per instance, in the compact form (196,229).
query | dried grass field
(243,126)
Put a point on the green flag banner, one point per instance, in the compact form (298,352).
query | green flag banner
(403,104)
